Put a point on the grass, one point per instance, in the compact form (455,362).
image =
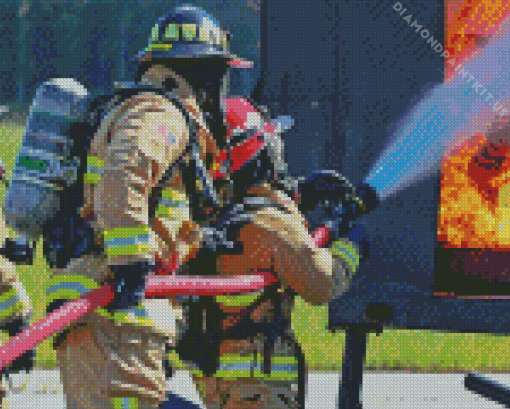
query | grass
(421,351)
(33,277)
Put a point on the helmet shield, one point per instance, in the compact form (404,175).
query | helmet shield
(189,32)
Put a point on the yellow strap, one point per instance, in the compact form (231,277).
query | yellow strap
(238,300)
(125,403)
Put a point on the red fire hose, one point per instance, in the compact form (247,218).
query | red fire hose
(156,286)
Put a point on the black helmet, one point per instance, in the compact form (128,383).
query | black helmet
(189,32)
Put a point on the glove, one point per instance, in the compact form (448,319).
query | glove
(130,280)
(223,237)
(26,361)
(215,241)
(324,186)
(18,251)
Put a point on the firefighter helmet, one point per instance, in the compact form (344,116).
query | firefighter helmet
(189,32)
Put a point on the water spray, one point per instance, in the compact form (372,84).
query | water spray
(448,115)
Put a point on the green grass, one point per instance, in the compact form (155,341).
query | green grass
(395,349)
(32,277)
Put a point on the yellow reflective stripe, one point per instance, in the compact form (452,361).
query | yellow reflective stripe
(89,283)
(237,366)
(91,178)
(68,287)
(164,211)
(238,300)
(232,374)
(63,279)
(125,403)
(171,199)
(274,376)
(277,376)
(94,167)
(125,232)
(95,161)
(237,358)
(62,295)
(204,35)
(284,360)
(126,318)
(174,195)
(155,33)
(159,47)
(131,250)
(347,251)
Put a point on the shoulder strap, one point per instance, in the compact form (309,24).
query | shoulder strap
(125,90)
(193,170)
(157,191)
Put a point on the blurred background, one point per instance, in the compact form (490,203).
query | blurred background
(94,41)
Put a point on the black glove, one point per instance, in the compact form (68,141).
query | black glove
(323,186)
(26,361)
(222,238)
(130,280)
(18,251)
(215,241)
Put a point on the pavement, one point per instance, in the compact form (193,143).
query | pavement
(393,390)
(42,389)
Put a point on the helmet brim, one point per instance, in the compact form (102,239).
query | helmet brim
(190,51)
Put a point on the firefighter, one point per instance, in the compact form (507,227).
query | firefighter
(151,204)
(148,215)
(242,368)
(15,309)
(261,364)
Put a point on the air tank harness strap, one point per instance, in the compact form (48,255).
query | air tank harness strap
(246,327)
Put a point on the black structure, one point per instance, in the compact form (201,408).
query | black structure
(347,71)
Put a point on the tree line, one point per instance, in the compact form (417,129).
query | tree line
(94,41)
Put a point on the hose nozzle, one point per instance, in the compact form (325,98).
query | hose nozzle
(366,198)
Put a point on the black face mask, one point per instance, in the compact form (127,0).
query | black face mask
(209,80)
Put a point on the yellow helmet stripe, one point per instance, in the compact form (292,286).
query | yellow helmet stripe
(189,32)
(155,33)
(171,33)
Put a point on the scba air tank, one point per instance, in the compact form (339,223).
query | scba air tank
(47,162)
